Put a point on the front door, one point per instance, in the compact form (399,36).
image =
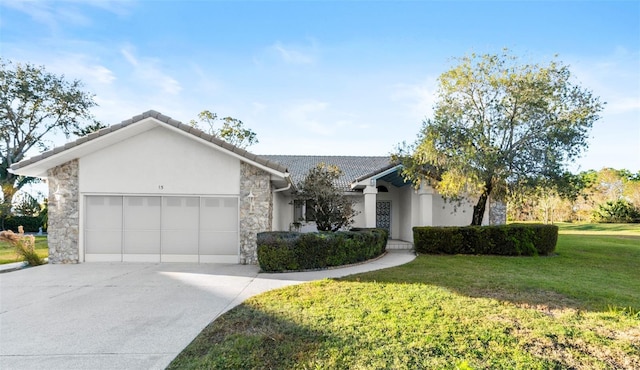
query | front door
(383,215)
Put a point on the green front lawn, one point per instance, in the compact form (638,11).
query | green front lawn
(8,253)
(577,309)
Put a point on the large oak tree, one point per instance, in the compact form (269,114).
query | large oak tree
(500,124)
(34,104)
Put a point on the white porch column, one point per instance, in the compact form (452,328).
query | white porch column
(425,196)
(370,196)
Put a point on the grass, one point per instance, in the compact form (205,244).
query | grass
(577,309)
(8,253)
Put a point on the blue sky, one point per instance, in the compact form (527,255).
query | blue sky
(325,77)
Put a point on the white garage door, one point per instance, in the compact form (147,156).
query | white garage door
(161,229)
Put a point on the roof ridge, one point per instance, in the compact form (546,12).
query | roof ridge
(327,155)
(196,132)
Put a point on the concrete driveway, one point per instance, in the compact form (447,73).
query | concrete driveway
(127,315)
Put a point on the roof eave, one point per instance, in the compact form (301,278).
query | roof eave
(366,180)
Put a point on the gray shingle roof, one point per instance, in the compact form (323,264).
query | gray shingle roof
(162,118)
(353,167)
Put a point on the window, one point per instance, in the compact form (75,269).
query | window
(298,210)
(303,211)
(310,213)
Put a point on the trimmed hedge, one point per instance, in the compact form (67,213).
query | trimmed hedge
(29,223)
(506,240)
(292,251)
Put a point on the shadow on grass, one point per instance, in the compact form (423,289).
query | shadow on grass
(586,274)
(481,287)
(249,338)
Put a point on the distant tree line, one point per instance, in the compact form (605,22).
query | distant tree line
(608,195)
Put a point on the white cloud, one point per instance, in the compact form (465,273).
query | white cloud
(205,82)
(40,11)
(128,55)
(87,69)
(56,14)
(308,115)
(259,107)
(293,55)
(418,98)
(149,71)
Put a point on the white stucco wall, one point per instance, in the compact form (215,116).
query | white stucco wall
(448,213)
(451,213)
(282,211)
(409,212)
(159,161)
(358,207)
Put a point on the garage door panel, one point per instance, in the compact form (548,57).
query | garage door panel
(219,258)
(141,225)
(103,257)
(104,241)
(103,228)
(180,258)
(179,242)
(104,213)
(142,242)
(180,217)
(142,213)
(219,214)
(141,258)
(180,213)
(218,243)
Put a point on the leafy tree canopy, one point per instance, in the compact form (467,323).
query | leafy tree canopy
(34,104)
(84,131)
(333,210)
(499,124)
(232,130)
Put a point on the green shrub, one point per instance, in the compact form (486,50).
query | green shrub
(30,224)
(506,240)
(437,240)
(619,211)
(545,237)
(276,251)
(289,251)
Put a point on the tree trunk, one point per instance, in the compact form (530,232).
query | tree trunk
(8,192)
(479,208)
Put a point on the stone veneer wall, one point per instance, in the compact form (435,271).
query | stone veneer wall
(497,213)
(63,230)
(257,217)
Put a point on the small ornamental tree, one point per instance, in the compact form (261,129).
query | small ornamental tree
(332,208)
